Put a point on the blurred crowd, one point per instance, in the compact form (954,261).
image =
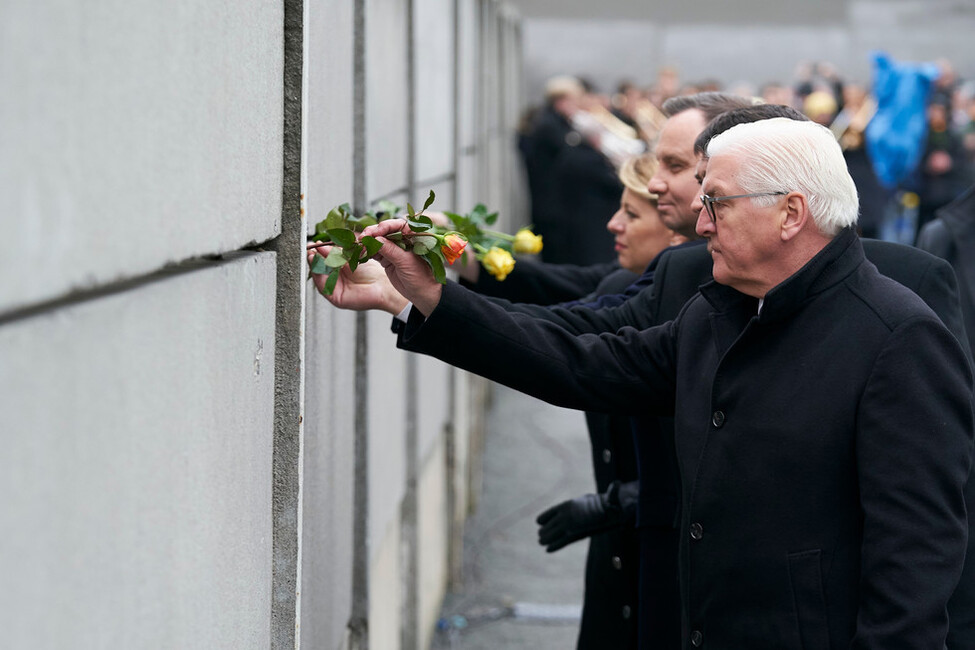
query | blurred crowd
(575,140)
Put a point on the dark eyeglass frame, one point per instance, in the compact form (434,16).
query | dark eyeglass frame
(709,201)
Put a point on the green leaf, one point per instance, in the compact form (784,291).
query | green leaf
(436,260)
(457,219)
(354,254)
(424,224)
(342,236)
(330,283)
(318,264)
(336,258)
(372,245)
(410,211)
(429,200)
(363,222)
(491,218)
(423,244)
(386,209)
(321,232)
(336,218)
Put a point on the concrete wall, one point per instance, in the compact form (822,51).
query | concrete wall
(757,46)
(199,451)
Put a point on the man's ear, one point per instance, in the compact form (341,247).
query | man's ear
(795,215)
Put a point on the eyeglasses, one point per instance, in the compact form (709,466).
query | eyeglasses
(709,201)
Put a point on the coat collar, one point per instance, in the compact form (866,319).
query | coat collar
(840,257)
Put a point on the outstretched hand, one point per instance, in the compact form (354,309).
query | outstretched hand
(410,275)
(366,288)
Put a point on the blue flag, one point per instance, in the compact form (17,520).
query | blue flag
(895,136)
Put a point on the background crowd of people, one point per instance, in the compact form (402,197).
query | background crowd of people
(578,134)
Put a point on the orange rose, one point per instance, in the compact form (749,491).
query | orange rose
(453,247)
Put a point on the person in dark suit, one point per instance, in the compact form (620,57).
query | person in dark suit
(951,236)
(548,137)
(609,612)
(610,605)
(823,412)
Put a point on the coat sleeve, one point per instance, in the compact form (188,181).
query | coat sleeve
(938,287)
(592,318)
(543,284)
(914,453)
(629,373)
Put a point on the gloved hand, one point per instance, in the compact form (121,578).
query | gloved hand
(581,517)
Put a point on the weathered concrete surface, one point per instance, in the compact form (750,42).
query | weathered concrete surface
(137,466)
(134,135)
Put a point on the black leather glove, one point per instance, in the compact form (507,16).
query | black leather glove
(581,517)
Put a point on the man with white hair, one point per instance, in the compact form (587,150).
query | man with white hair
(822,412)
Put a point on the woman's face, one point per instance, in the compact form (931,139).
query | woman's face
(640,234)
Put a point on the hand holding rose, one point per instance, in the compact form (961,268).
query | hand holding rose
(407,273)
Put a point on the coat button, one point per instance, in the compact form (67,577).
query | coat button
(697,638)
(717,419)
(617,562)
(607,455)
(626,611)
(697,531)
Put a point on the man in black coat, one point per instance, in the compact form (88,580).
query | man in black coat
(823,412)
(550,135)
(951,236)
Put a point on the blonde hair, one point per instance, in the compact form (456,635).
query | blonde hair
(562,86)
(635,174)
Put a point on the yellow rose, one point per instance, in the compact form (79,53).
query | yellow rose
(527,242)
(498,262)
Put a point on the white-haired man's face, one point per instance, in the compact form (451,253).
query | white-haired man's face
(744,237)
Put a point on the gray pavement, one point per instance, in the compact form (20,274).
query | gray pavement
(514,594)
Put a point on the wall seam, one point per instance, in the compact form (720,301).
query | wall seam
(359,616)
(289,347)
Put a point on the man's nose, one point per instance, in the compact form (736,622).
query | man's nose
(656,185)
(704,226)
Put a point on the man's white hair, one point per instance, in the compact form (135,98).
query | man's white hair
(783,155)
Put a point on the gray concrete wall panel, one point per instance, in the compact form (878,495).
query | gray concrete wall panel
(329,417)
(137,466)
(134,134)
(609,50)
(328,485)
(925,30)
(328,118)
(432,415)
(386,97)
(433,526)
(387,427)
(434,53)
(667,11)
(745,55)
(604,51)
(467,80)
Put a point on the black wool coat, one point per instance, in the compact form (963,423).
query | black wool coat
(952,237)
(610,610)
(670,280)
(824,445)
